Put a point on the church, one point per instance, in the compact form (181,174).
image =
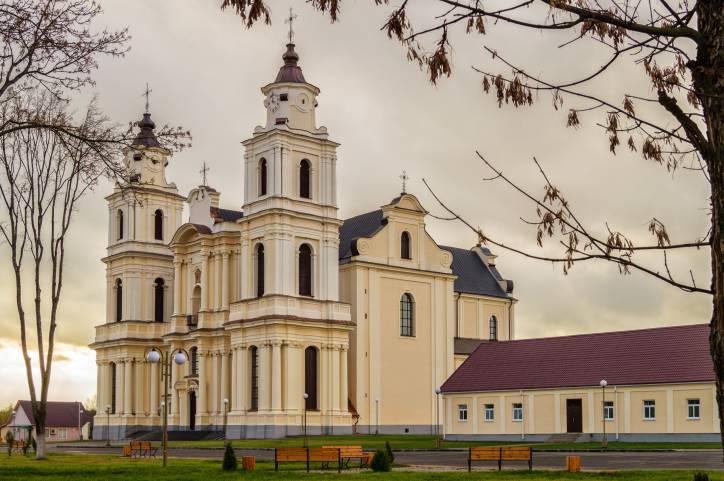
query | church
(286,315)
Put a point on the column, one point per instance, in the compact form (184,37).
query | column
(204,282)
(231,381)
(241,356)
(175,404)
(293,377)
(120,387)
(214,383)
(202,409)
(176,288)
(333,385)
(100,388)
(225,281)
(138,387)
(343,389)
(154,388)
(128,387)
(276,376)
(190,284)
(217,281)
(264,374)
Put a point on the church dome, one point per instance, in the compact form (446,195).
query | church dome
(145,136)
(290,72)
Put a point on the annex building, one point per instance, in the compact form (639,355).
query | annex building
(282,308)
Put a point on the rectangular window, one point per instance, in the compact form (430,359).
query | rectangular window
(462,412)
(517,412)
(694,408)
(608,410)
(649,409)
(490,412)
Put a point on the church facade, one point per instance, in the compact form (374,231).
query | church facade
(282,310)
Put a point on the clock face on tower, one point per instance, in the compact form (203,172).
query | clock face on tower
(303,102)
(274,102)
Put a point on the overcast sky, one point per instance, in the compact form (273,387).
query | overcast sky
(206,71)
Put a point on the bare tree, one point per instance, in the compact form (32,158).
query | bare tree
(679,122)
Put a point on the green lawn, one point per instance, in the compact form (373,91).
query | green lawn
(426,442)
(111,468)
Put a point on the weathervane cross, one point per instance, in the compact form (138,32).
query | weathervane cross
(146,94)
(404,178)
(203,173)
(290,21)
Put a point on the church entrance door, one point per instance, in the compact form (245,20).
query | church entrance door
(192,410)
(574,415)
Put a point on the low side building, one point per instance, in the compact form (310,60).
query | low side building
(64,421)
(659,387)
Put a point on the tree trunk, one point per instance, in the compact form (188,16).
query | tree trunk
(39,442)
(708,74)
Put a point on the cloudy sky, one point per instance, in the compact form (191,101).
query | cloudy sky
(206,70)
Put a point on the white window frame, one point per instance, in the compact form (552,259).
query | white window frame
(609,407)
(489,413)
(693,403)
(462,413)
(651,405)
(517,409)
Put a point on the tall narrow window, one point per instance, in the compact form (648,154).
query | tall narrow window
(262,177)
(259,270)
(119,300)
(405,246)
(493,328)
(254,378)
(305,270)
(158,288)
(113,388)
(119,224)
(305,179)
(158,224)
(407,315)
(310,377)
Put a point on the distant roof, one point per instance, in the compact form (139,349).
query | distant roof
(473,275)
(363,225)
(464,345)
(647,356)
(290,71)
(226,215)
(59,413)
(145,136)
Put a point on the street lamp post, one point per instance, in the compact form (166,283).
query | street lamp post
(304,419)
(377,416)
(226,410)
(438,441)
(603,383)
(108,425)
(179,356)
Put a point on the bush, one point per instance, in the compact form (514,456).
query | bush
(701,477)
(381,462)
(229,459)
(9,438)
(389,453)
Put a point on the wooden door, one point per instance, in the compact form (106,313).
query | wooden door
(192,411)
(574,415)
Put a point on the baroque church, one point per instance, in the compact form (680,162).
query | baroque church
(282,310)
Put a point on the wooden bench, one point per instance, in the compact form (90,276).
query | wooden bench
(140,449)
(500,454)
(307,455)
(18,446)
(347,453)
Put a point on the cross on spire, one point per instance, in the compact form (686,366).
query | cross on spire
(404,178)
(204,170)
(290,21)
(146,94)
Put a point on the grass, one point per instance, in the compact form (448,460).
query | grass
(112,468)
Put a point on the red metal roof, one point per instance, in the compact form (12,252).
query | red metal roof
(677,354)
(59,413)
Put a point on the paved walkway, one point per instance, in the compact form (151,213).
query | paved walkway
(457,460)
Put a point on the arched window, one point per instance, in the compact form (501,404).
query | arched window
(158,288)
(119,300)
(259,270)
(305,179)
(305,270)
(407,315)
(493,328)
(119,224)
(262,177)
(158,224)
(254,377)
(196,300)
(405,252)
(310,378)
(194,361)
(113,388)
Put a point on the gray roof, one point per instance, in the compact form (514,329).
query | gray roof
(466,346)
(290,71)
(473,275)
(145,136)
(229,215)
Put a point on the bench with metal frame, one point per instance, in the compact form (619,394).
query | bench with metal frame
(347,453)
(500,454)
(307,455)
